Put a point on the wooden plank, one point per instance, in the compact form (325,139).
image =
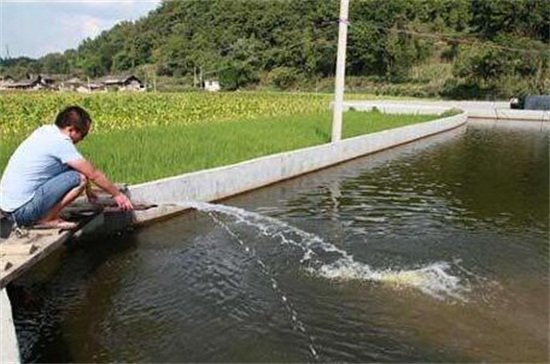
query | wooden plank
(83,208)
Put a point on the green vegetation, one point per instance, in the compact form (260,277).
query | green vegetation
(442,48)
(20,113)
(177,149)
(140,137)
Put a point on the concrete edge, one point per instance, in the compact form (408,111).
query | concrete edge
(396,108)
(173,193)
(9,352)
(482,110)
(511,114)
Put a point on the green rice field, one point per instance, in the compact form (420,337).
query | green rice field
(142,137)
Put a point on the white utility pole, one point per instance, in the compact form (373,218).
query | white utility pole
(340,72)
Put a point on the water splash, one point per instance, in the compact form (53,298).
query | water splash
(297,324)
(325,260)
(433,279)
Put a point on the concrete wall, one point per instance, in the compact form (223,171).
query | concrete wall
(510,114)
(218,183)
(9,349)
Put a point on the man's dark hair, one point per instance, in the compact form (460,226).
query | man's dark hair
(74,116)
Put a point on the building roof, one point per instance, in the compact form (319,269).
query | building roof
(119,79)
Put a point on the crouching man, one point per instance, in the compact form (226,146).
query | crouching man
(46,173)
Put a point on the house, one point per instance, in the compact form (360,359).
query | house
(34,83)
(212,86)
(123,83)
(72,84)
(75,84)
(38,82)
(91,87)
(5,81)
(47,81)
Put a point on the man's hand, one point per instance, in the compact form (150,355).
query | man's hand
(123,202)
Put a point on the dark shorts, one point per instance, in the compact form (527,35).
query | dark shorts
(46,197)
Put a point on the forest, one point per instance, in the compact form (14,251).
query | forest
(474,49)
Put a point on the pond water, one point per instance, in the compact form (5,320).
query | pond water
(436,251)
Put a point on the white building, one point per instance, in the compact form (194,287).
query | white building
(212,86)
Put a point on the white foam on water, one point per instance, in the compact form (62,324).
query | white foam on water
(435,279)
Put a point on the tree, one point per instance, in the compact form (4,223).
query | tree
(55,63)
(529,18)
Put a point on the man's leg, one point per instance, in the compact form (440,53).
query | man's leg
(51,198)
(53,214)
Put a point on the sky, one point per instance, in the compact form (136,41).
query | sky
(34,28)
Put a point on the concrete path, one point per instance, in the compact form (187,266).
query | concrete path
(498,110)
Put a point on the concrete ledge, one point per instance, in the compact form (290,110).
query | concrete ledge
(510,114)
(219,183)
(396,108)
(475,109)
(9,352)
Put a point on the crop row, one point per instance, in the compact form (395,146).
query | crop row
(20,113)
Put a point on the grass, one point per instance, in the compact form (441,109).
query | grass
(135,156)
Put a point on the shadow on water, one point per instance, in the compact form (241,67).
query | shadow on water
(436,251)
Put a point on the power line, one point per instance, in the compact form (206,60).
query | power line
(454,38)
(438,36)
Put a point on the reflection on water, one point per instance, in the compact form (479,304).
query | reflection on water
(432,252)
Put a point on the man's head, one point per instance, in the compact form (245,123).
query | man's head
(75,122)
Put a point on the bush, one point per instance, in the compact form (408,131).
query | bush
(451,112)
(458,89)
(283,77)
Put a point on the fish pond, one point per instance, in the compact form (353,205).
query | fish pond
(435,251)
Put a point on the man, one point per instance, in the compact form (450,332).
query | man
(46,173)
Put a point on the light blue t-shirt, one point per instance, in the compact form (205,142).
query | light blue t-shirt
(43,155)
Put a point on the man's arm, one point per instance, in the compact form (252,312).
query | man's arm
(93,174)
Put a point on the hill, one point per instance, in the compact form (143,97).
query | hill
(449,48)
